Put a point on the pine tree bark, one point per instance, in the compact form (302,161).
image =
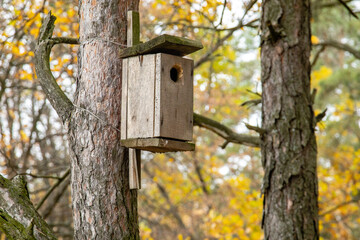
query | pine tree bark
(103,205)
(288,146)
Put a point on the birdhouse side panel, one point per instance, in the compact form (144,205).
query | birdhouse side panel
(124,99)
(174,88)
(140,96)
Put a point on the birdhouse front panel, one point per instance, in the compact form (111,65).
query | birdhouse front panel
(157,97)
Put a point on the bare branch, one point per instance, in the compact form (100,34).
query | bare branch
(317,55)
(53,188)
(225,132)
(331,4)
(56,96)
(341,46)
(222,14)
(251,103)
(54,200)
(354,200)
(173,209)
(221,41)
(38,176)
(65,40)
(321,115)
(256,129)
(348,9)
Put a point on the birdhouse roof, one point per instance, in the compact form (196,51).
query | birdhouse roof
(163,44)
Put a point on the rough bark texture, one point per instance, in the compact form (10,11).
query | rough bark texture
(288,145)
(103,205)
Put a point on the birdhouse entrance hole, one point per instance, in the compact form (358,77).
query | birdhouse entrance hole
(176,72)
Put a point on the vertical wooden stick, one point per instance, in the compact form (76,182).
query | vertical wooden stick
(133,38)
(133,28)
(134,168)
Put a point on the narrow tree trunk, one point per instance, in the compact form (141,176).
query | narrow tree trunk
(103,205)
(289,145)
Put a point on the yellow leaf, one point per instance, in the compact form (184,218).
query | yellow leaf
(11,114)
(34,32)
(70,12)
(323,73)
(314,39)
(64,28)
(23,136)
(38,96)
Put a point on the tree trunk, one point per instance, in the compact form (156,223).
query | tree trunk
(103,205)
(288,146)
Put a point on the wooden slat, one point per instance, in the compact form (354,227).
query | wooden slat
(176,98)
(133,28)
(163,44)
(134,168)
(158,145)
(124,98)
(157,94)
(141,81)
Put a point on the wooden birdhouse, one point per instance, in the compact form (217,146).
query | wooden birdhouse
(157,94)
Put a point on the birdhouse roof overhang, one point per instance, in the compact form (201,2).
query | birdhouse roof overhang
(163,44)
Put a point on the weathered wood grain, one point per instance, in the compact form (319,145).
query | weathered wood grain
(163,44)
(175,115)
(155,105)
(133,28)
(134,168)
(124,97)
(159,145)
(141,84)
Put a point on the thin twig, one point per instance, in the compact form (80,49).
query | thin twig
(338,206)
(222,14)
(341,46)
(317,55)
(251,103)
(256,93)
(97,117)
(256,129)
(60,180)
(38,176)
(348,8)
(225,132)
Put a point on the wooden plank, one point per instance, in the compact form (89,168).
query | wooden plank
(157,95)
(163,44)
(176,98)
(134,168)
(141,81)
(158,145)
(124,97)
(133,28)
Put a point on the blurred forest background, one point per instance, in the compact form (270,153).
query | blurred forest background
(214,192)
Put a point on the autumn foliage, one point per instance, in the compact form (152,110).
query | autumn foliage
(214,192)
